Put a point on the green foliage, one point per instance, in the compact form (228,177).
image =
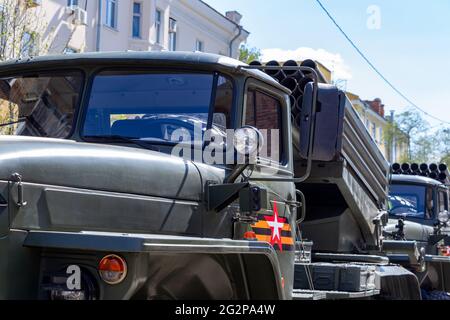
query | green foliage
(411,122)
(413,126)
(424,145)
(393,133)
(443,136)
(21,29)
(446,159)
(424,149)
(248,55)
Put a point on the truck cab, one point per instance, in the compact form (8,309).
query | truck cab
(420,202)
(108,180)
(419,211)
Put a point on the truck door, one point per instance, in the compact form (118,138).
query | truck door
(4,217)
(4,230)
(267,110)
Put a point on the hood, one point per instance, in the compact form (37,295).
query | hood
(413,230)
(102,167)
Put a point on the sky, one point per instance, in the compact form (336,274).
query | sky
(407,40)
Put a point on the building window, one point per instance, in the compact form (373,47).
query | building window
(159,25)
(72,3)
(199,46)
(172,34)
(374,131)
(380,134)
(111,13)
(136,20)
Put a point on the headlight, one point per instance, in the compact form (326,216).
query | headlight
(248,141)
(55,284)
(443,217)
(56,294)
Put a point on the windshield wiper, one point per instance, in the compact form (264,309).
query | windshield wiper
(28,119)
(117,138)
(23,119)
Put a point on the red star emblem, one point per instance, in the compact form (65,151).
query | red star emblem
(276,226)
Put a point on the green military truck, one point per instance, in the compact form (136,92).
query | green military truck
(189,176)
(419,211)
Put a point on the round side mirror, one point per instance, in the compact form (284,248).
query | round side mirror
(248,141)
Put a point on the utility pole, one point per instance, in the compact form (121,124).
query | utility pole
(393,140)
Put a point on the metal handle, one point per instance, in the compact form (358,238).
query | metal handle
(17,178)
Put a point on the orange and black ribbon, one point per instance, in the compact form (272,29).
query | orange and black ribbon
(282,240)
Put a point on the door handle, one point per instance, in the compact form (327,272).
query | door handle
(17,178)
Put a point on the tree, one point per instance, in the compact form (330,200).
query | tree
(412,125)
(22,33)
(392,135)
(21,29)
(443,137)
(409,128)
(248,55)
(424,149)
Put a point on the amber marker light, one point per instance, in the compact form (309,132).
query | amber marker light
(112,269)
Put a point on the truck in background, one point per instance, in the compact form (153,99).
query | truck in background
(419,211)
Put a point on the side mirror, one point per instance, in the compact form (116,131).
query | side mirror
(328,122)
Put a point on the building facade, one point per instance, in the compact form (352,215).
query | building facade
(136,25)
(372,114)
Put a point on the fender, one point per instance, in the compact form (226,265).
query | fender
(109,242)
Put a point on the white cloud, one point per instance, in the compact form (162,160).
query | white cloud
(333,61)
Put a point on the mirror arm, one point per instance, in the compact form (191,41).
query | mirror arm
(237,171)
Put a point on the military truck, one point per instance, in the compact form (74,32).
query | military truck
(419,211)
(163,175)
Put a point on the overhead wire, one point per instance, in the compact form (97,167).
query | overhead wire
(377,71)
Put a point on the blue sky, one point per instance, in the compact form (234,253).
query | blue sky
(411,47)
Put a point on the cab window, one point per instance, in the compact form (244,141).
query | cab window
(430,204)
(264,112)
(443,201)
(40,105)
(158,106)
(412,201)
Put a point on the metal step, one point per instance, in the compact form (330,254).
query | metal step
(331,295)
(308,295)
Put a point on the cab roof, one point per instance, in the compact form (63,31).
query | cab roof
(141,58)
(415,180)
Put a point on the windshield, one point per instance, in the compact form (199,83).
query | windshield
(39,105)
(408,201)
(157,107)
